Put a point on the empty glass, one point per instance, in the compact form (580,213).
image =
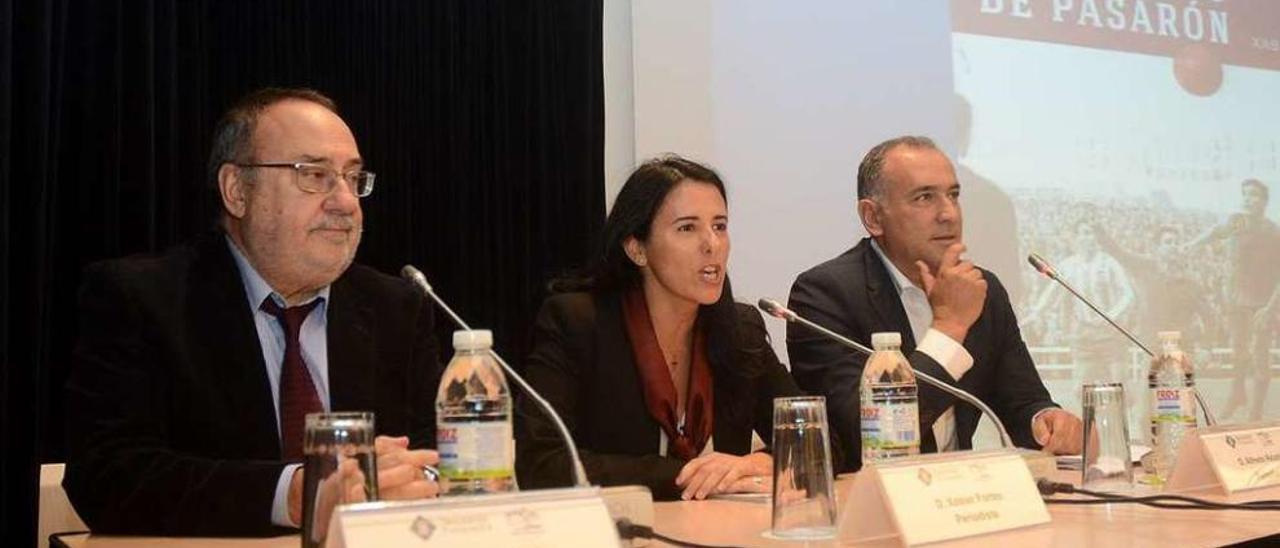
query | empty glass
(804,505)
(1107,463)
(329,440)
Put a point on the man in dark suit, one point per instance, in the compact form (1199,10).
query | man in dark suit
(955,318)
(194,370)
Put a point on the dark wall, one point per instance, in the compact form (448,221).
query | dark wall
(482,119)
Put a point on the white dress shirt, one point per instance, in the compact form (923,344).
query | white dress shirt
(937,345)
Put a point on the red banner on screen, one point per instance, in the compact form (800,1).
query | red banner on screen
(1229,32)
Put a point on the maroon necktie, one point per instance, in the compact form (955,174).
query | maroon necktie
(297,394)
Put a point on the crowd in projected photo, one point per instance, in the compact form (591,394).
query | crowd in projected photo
(1155,268)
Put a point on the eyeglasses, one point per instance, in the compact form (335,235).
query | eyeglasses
(318,179)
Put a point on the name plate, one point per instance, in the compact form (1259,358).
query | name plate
(547,518)
(1232,458)
(939,497)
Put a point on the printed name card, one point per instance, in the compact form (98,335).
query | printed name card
(939,497)
(1233,458)
(550,518)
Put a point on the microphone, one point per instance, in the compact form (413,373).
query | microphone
(1042,266)
(579,473)
(775,309)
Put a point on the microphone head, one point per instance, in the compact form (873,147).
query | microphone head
(1041,265)
(409,272)
(774,308)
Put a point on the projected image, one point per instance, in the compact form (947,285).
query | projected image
(1141,164)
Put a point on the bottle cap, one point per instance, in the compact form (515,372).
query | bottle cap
(476,339)
(880,341)
(1169,336)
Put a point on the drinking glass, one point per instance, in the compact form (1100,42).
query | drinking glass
(1107,464)
(329,440)
(804,505)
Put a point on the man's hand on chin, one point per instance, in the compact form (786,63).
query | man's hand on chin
(957,292)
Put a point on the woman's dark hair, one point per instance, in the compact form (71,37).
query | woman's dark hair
(612,272)
(632,216)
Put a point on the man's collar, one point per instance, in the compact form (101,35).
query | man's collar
(900,280)
(255,287)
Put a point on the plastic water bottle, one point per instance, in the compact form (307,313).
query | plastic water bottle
(890,415)
(473,419)
(1171,382)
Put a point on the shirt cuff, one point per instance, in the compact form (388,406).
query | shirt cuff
(280,506)
(947,352)
(944,431)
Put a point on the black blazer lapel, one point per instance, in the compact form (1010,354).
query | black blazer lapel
(619,380)
(227,340)
(352,359)
(884,298)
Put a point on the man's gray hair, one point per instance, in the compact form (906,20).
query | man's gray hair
(871,170)
(233,134)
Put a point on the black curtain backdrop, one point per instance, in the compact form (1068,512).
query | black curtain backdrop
(483,119)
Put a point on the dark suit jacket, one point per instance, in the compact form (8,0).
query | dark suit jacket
(854,295)
(171,425)
(582,363)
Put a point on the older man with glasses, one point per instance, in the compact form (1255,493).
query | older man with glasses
(194,370)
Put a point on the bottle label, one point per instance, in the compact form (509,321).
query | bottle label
(1173,404)
(474,450)
(890,426)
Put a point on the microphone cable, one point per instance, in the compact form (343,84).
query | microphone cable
(1172,502)
(628,530)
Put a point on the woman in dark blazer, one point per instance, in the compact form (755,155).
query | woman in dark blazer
(658,373)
